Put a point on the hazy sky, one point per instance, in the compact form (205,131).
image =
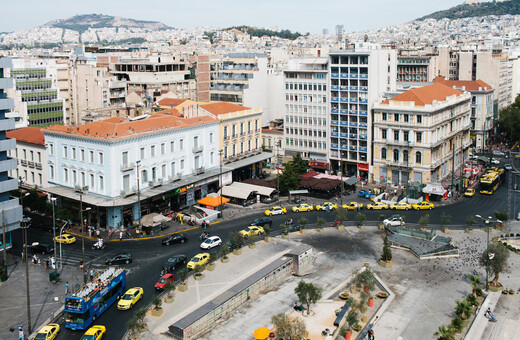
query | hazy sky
(297,15)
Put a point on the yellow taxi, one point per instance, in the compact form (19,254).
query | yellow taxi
(327,206)
(198,260)
(353,206)
(65,238)
(400,206)
(275,211)
(130,298)
(377,206)
(423,206)
(48,332)
(94,333)
(469,192)
(302,207)
(251,230)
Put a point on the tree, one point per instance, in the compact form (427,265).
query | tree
(320,221)
(156,302)
(299,165)
(139,316)
(502,215)
(133,326)
(424,220)
(352,319)
(470,220)
(303,222)
(183,274)
(475,282)
(361,218)
(288,179)
(224,250)
(283,228)
(509,121)
(387,252)
(289,328)
(308,293)
(444,333)
(341,214)
(169,287)
(364,278)
(498,263)
(445,219)
(267,229)
(463,309)
(236,240)
(212,256)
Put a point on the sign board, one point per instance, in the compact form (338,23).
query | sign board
(227,178)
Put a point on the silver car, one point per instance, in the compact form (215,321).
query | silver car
(211,242)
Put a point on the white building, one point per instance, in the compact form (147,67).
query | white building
(31,155)
(176,160)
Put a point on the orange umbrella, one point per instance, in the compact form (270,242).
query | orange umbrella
(261,333)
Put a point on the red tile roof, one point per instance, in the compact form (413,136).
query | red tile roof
(223,107)
(173,102)
(426,94)
(469,85)
(121,128)
(32,135)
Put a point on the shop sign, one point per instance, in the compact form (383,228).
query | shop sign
(191,186)
(183,189)
(318,165)
(363,166)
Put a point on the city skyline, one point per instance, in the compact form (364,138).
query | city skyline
(302,16)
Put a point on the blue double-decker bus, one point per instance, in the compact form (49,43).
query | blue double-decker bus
(91,300)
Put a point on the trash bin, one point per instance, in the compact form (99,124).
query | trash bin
(54,276)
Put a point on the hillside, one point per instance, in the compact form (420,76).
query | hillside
(477,10)
(81,23)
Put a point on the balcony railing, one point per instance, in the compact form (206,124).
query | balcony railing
(175,177)
(198,171)
(197,149)
(127,167)
(226,137)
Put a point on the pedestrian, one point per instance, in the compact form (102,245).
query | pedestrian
(371,335)
(120,236)
(67,287)
(97,233)
(81,265)
(89,232)
(47,263)
(91,273)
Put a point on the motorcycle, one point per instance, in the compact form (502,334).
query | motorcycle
(98,246)
(203,236)
(289,221)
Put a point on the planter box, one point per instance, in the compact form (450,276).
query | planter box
(224,260)
(303,231)
(237,251)
(285,235)
(252,246)
(469,230)
(267,239)
(168,299)
(319,230)
(381,226)
(341,227)
(361,226)
(183,287)
(386,264)
(495,289)
(446,230)
(157,312)
(210,267)
(198,276)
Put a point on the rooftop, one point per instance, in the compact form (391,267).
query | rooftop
(469,85)
(426,95)
(171,102)
(31,135)
(220,108)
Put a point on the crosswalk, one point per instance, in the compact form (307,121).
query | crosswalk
(93,258)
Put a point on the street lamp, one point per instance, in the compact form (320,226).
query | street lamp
(81,191)
(61,253)
(138,163)
(489,255)
(221,153)
(53,202)
(25,225)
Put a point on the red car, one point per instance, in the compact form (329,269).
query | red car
(163,280)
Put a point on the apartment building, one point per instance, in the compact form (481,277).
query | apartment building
(481,107)
(12,211)
(416,69)
(358,78)
(36,96)
(305,89)
(31,155)
(421,134)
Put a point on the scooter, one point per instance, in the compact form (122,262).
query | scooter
(289,222)
(98,246)
(203,236)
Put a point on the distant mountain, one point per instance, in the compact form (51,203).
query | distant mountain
(83,22)
(477,9)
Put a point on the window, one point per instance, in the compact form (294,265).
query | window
(152,151)
(173,169)
(65,152)
(40,178)
(73,153)
(82,153)
(225,132)
(249,126)
(406,135)
(124,158)
(182,144)
(101,183)
(83,179)
(142,153)
(406,118)
(211,138)
(144,176)
(405,156)
(212,157)
(100,154)
(383,153)
(91,154)
(74,177)
(383,115)
(92,181)
(396,155)
(419,137)
(396,117)
(241,128)
(51,171)
(182,164)
(234,150)
(32,155)
(51,149)
(419,119)
(256,124)
(396,135)
(233,132)
(163,172)
(172,146)
(154,174)
(195,142)
(418,157)
(163,148)
(66,175)
(383,133)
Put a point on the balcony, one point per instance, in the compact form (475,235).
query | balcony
(333,146)
(334,99)
(344,147)
(127,167)
(242,134)
(362,124)
(353,76)
(363,88)
(363,113)
(343,76)
(334,122)
(334,75)
(344,88)
(343,123)
(353,136)
(31,164)
(344,112)
(334,134)
(23,162)
(235,135)
(197,148)
(363,148)
(343,135)
(353,88)
(333,111)
(353,100)
(364,137)
(353,124)
(363,101)
(175,177)
(128,192)
(353,148)
(226,137)
(363,76)
(198,171)
(334,87)
(353,113)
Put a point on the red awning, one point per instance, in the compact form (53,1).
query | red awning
(363,166)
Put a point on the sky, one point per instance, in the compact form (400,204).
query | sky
(296,15)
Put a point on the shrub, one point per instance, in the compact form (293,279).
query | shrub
(183,274)
(424,220)
(303,222)
(456,325)
(156,301)
(361,218)
(224,250)
(480,292)
(501,215)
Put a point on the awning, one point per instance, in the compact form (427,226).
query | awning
(298,192)
(260,190)
(236,192)
(213,201)
(352,180)
(153,219)
(436,189)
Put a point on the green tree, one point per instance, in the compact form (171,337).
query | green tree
(456,325)
(445,219)
(341,214)
(502,215)
(156,301)
(387,252)
(283,228)
(299,165)
(424,220)
(499,261)
(169,287)
(133,326)
(139,316)
(236,240)
(444,333)
(463,309)
(289,328)
(475,283)
(183,274)
(308,293)
(288,179)
(509,121)
(224,250)
(267,229)
(303,222)
(212,256)
(352,319)
(364,278)
(470,220)
(361,218)
(320,221)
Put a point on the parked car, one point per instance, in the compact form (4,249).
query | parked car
(174,262)
(48,332)
(163,280)
(275,211)
(65,238)
(423,206)
(119,259)
(377,206)
(198,260)
(400,206)
(262,222)
(175,238)
(498,153)
(325,205)
(94,333)
(394,221)
(251,230)
(495,161)
(508,167)
(353,206)
(130,298)
(212,242)
(41,248)
(302,207)
(469,192)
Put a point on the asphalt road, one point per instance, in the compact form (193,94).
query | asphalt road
(149,255)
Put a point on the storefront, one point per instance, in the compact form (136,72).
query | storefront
(363,169)
(320,166)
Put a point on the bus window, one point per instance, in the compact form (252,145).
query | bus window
(73,303)
(74,317)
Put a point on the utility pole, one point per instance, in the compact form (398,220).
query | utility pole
(221,153)
(24,226)
(453,167)
(138,163)
(82,191)
(53,202)
(4,243)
